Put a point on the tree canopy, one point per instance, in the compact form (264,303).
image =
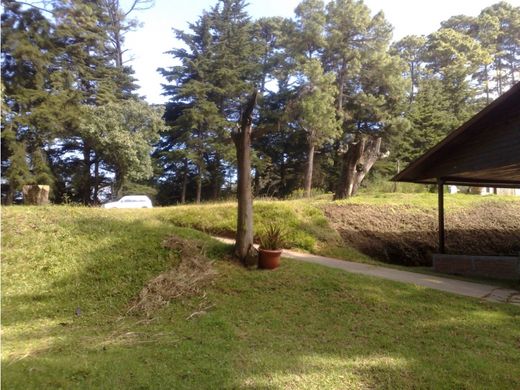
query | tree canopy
(339,103)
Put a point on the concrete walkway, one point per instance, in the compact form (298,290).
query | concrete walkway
(454,286)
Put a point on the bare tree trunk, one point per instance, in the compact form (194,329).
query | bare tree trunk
(184,181)
(357,162)
(85,180)
(368,159)
(118,185)
(244,248)
(394,187)
(256,181)
(10,196)
(199,185)
(412,79)
(486,83)
(341,83)
(499,71)
(36,194)
(96,180)
(308,171)
(216,179)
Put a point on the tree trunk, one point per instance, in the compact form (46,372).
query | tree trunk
(184,182)
(96,180)
(118,185)
(199,185)
(394,187)
(36,194)
(216,180)
(256,181)
(9,196)
(341,83)
(412,79)
(308,171)
(357,162)
(486,73)
(368,159)
(244,248)
(499,77)
(85,179)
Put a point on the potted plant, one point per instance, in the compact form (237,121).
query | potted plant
(271,244)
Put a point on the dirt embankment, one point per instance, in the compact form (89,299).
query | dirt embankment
(407,235)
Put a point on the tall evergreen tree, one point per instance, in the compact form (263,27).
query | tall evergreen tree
(370,87)
(315,112)
(33,111)
(506,57)
(411,50)
(217,71)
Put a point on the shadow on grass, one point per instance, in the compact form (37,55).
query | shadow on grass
(408,236)
(301,326)
(415,248)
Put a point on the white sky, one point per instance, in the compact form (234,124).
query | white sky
(148,44)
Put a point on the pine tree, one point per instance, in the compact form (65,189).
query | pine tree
(30,117)
(411,50)
(370,88)
(216,74)
(315,112)
(506,57)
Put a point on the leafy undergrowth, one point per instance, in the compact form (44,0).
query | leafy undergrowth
(69,275)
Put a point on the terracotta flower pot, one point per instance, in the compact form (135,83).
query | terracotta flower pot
(269,259)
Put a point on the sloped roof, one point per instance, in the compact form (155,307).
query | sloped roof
(484,151)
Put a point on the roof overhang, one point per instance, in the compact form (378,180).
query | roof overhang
(499,166)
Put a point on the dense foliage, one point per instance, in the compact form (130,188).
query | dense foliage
(70,117)
(339,102)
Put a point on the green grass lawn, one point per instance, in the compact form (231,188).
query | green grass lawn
(300,326)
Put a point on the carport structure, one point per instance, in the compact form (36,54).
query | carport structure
(483,152)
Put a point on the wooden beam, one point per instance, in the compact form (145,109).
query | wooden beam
(440,193)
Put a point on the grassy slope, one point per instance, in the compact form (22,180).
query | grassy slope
(305,223)
(301,326)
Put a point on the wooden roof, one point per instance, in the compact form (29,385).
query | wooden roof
(484,151)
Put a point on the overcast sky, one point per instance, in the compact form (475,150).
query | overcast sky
(148,44)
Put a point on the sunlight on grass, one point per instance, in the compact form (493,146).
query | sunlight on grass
(300,326)
(425,200)
(331,372)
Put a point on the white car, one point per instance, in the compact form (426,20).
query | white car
(130,202)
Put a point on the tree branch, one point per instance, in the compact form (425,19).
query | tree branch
(133,7)
(36,7)
(247,115)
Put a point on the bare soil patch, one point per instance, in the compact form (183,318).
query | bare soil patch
(408,235)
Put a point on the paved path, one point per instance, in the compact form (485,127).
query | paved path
(454,286)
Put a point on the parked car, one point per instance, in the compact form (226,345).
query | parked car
(130,202)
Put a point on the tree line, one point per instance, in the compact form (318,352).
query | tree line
(337,101)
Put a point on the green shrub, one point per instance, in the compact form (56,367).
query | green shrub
(272,237)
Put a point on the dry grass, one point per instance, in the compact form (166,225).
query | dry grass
(189,278)
(405,234)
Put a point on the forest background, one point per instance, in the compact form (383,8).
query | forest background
(340,106)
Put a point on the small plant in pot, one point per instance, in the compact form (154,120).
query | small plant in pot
(271,244)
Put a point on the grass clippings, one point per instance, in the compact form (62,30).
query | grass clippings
(189,278)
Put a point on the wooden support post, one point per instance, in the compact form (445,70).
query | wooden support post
(440,192)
